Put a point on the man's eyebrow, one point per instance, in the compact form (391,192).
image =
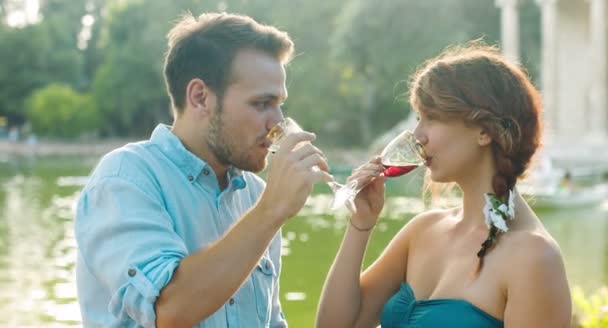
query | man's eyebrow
(268,96)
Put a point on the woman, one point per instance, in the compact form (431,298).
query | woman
(487,263)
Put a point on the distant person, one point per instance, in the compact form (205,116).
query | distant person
(13,134)
(566,183)
(177,231)
(486,263)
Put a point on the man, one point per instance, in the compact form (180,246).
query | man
(176,231)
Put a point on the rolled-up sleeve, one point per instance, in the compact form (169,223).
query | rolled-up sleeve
(128,242)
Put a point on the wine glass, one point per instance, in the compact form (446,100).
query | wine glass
(280,131)
(402,155)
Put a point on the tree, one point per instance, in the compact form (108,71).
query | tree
(38,54)
(128,86)
(58,110)
(378,45)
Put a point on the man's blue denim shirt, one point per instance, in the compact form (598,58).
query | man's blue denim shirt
(145,207)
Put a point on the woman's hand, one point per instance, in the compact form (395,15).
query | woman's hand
(370,200)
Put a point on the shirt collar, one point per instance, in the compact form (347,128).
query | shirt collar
(235,176)
(188,163)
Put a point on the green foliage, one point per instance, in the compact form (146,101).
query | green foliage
(591,311)
(347,82)
(36,55)
(18,74)
(128,85)
(378,45)
(57,110)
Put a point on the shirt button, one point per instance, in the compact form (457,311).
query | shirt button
(231,301)
(206,171)
(131,272)
(190,177)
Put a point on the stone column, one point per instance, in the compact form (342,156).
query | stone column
(549,70)
(509,28)
(599,112)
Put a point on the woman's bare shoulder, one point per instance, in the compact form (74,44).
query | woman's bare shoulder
(431,217)
(426,220)
(535,278)
(532,251)
(529,240)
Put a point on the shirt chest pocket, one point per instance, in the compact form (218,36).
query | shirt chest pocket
(264,278)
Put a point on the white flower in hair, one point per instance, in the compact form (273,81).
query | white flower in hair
(487,210)
(495,211)
(511,208)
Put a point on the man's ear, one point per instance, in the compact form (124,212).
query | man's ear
(484,139)
(200,97)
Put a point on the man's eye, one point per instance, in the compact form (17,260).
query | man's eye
(261,104)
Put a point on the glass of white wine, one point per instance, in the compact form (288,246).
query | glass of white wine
(280,131)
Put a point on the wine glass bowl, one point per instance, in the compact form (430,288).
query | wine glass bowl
(281,130)
(400,156)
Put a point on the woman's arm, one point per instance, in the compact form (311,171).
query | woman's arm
(537,293)
(352,299)
(341,299)
(349,298)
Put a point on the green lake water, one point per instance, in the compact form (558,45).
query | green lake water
(38,251)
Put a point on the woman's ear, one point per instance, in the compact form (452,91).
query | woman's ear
(484,139)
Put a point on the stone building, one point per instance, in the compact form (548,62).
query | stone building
(573,73)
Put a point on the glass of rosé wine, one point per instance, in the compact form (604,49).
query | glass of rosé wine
(400,156)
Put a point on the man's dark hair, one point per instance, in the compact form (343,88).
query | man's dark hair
(205,48)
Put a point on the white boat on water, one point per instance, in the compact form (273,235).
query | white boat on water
(575,198)
(549,187)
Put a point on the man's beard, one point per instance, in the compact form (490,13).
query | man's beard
(223,146)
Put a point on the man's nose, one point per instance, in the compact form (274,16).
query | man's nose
(275,118)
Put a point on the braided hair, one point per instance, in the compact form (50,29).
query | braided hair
(477,85)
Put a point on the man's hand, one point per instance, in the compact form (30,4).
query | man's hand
(295,168)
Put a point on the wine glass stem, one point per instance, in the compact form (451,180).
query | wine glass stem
(334,186)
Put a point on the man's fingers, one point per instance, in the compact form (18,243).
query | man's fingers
(293,139)
(315,160)
(319,175)
(306,150)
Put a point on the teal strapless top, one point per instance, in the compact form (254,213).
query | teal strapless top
(403,310)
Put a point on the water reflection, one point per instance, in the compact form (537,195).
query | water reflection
(582,236)
(37,254)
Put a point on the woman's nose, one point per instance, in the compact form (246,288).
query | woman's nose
(420,136)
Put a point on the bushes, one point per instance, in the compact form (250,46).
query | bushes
(590,311)
(59,111)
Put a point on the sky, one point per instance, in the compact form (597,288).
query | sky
(22,12)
